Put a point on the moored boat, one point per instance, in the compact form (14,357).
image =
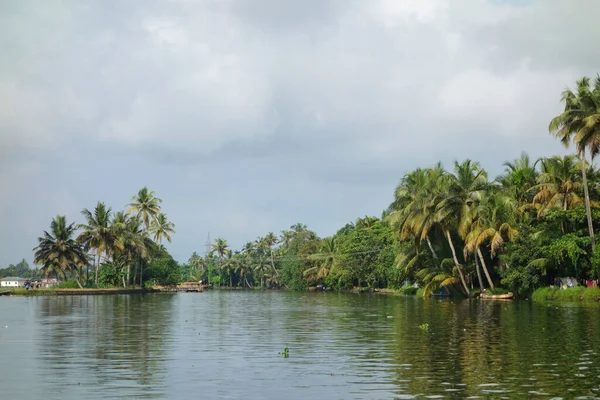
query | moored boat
(505,296)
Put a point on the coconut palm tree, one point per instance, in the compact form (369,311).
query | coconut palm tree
(518,179)
(221,247)
(457,202)
(162,228)
(580,123)
(58,251)
(99,234)
(492,223)
(326,260)
(558,185)
(267,243)
(146,207)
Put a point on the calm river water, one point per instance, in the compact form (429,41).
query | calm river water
(226,345)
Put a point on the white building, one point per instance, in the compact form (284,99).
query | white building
(12,281)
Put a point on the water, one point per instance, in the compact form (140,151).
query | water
(226,345)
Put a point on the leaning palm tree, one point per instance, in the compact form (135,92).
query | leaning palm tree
(457,202)
(99,234)
(162,228)
(580,123)
(58,251)
(493,223)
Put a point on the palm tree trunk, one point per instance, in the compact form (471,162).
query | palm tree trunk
(272,263)
(128,272)
(456,263)
(98,267)
(433,253)
(478,273)
(485,270)
(230,281)
(586,195)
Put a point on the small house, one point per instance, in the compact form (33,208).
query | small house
(12,281)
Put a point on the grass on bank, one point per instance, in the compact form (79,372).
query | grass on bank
(580,293)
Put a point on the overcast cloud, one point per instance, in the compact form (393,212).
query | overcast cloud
(249,116)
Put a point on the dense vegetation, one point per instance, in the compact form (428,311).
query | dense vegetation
(122,248)
(458,229)
(455,228)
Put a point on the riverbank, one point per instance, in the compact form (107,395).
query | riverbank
(579,293)
(76,292)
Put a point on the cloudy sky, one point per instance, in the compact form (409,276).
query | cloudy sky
(247,116)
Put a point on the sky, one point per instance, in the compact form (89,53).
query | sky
(246,117)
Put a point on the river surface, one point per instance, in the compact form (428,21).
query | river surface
(227,345)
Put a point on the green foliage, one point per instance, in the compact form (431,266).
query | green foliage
(408,290)
(68,284)
(579,293)
(163,270)
(20,269)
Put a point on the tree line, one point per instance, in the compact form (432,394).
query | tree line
(116,245)
(455,228)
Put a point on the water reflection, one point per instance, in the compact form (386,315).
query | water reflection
(227,345)
(116,343)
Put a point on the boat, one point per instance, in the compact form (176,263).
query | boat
(5,293)
(504,296)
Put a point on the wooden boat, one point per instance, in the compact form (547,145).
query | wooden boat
(5,293)
(505,296)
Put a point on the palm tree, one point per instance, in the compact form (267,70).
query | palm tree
(267,243)
(58,251)
(162,228)
(97,233)
(146,207)
(412,212)
(221,247)
(135,243)
(492,223)
(457,201)
(518,178)
(326,261)
(580,122)
(558,184)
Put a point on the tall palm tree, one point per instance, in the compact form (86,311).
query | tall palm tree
(580,123)
(221,247)
(146,207)
(493,222)
(162,228)
(58,251)
(98,233)
(412,212)
(457,203)
(135,243)
(267,243)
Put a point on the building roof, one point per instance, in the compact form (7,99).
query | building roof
(13,278)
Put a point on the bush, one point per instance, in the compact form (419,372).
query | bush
(579,293)
(408,290)
(68,284)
